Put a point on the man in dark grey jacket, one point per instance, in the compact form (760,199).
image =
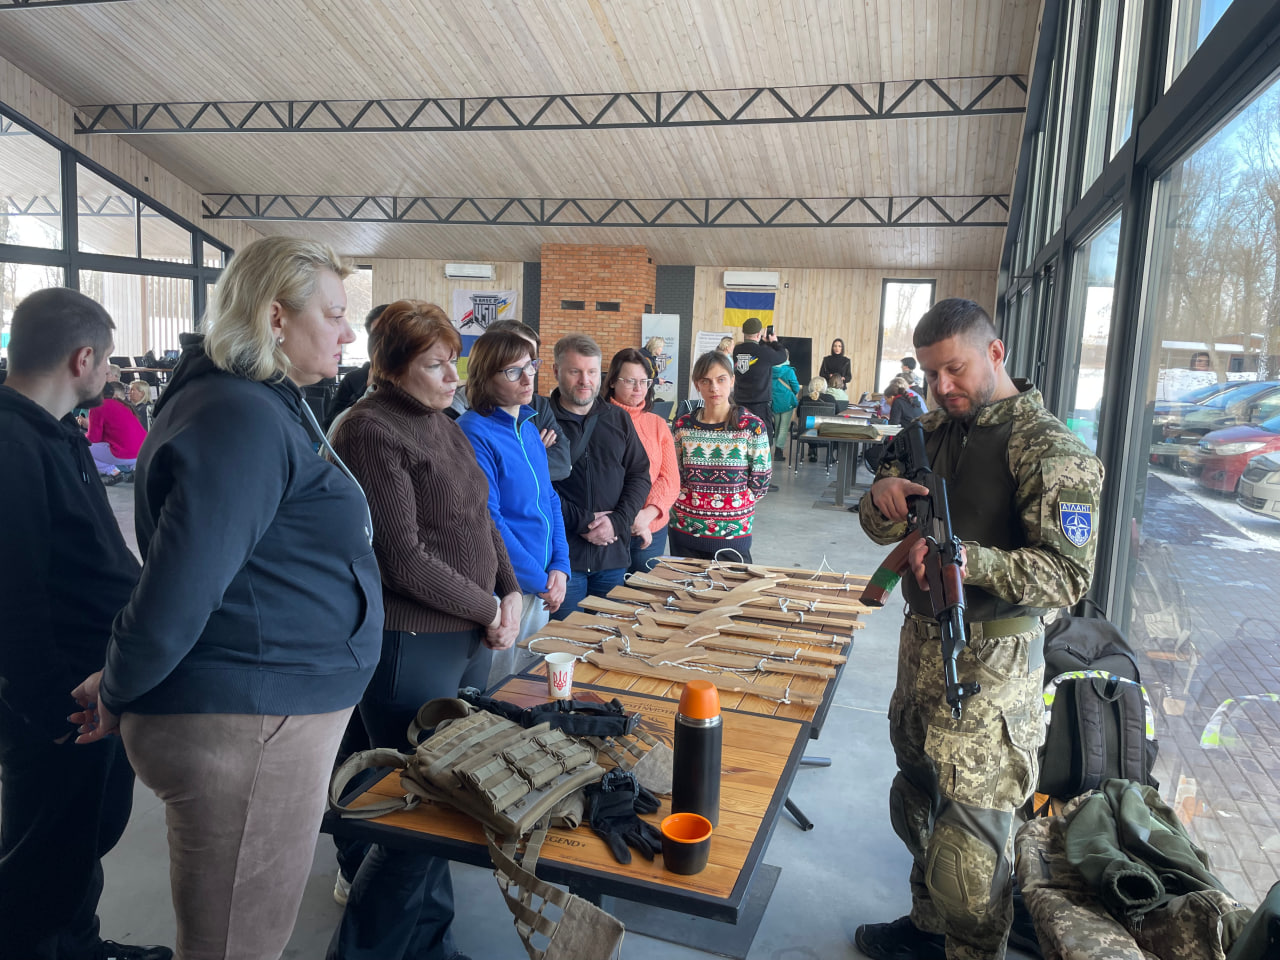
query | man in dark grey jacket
(68,572)
(610,475)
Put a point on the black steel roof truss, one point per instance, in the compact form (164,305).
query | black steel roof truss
(559,111)
(717,212)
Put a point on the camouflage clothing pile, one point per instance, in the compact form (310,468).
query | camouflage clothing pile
(1071,919)
(1022,490)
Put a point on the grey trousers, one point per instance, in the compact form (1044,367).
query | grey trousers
(243,799)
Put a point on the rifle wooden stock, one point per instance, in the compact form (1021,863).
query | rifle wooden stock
(887,575)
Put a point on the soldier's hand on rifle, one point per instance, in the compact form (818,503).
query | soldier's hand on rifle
(889,494)
(915,560)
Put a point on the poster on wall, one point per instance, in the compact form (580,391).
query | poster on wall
(474,310)
(666,326)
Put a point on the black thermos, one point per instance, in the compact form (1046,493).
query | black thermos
(695,776)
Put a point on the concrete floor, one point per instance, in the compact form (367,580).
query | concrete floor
(850,869)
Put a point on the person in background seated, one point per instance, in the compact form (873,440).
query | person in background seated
(904,403)
(630,387)
(913,378)
(786,395)
(836,390)
(113,373)
(726,345)
(651,351)
(835,363)
(816,392)
(356,383)
(523,503)
(140,401)
(444,568)
(725,466)
(231,672)
(115,436)
(67,573)
(558,452)
(610,479)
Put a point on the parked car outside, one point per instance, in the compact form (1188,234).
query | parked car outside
(1260,485)
(1223,455)
(1245,403)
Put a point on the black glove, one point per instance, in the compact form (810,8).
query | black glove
(612,807)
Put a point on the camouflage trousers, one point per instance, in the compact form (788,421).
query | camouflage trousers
(959,781)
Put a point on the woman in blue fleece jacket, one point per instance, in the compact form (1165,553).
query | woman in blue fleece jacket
(524,505)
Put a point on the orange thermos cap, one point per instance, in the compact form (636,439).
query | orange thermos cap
(700,700)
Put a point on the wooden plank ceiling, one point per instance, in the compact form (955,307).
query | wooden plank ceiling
(149,51)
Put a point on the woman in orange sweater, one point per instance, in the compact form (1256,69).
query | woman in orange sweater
(630,386)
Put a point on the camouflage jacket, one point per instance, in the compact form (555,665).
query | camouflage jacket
(1056,483)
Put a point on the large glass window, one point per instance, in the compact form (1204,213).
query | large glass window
(30,189)
(1100,93)
(150,312)
(162,239)
(108,216)
(903,303)
(1206,522)
(1191,22)
(1093,283)
(1065,101)
(359,303)
(1127,75)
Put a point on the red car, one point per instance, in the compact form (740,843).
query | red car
(1224,454)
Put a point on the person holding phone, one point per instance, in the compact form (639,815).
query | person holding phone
(753,362)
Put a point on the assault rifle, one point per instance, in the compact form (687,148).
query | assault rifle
(930,520)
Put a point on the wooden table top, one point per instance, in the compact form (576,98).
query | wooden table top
(759,760)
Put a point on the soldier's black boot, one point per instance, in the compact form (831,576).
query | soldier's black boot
(900,940)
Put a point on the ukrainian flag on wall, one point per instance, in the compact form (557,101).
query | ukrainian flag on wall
(741,304)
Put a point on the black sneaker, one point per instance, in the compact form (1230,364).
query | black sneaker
(124,951)
(111,479)
(900,940)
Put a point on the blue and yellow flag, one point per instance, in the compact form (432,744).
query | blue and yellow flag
(741,304)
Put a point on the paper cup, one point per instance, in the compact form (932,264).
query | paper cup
(560,675)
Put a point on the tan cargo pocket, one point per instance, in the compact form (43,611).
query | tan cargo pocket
(968,764)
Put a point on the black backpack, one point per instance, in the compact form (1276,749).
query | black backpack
(1100,724)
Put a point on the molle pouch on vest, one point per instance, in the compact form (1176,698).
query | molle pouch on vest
(486,766)
(505,776)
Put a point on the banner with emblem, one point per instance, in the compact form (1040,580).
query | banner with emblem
(741,304)
(474,310)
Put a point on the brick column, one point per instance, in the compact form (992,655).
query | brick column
(594,275)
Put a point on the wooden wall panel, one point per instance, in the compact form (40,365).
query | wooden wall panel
(425,280)
(825,304)
(54,115)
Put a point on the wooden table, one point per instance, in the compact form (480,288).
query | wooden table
(759,761)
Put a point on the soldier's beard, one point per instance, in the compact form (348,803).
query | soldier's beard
(977,400)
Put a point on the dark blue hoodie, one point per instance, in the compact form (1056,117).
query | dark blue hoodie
(259,591)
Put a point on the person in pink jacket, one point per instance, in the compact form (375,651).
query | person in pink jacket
(629,385)
(115,436)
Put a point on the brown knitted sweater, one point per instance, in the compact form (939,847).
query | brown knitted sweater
(440,554)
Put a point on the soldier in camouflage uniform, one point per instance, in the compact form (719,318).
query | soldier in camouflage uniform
(1023,492)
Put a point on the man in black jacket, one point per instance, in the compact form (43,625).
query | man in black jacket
(753,362)
(609,480)
(354,384)
(69,571)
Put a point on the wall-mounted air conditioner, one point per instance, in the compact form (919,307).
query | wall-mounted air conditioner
(468,271)
(751,279)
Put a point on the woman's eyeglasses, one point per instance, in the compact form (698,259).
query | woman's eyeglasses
(632,384)
(514,373)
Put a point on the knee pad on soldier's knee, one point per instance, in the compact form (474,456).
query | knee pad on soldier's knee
(959,872)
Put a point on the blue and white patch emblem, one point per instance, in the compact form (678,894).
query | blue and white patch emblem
(1077,521)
